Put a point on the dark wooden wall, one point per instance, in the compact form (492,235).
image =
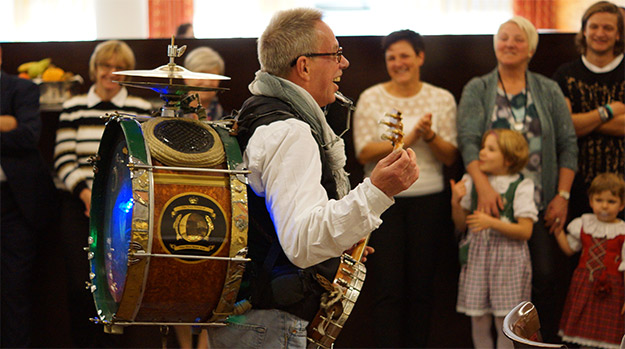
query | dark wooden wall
(451,60)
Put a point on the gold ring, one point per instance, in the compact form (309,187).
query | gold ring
(558,220)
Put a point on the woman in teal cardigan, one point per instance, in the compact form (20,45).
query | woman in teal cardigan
(513,97)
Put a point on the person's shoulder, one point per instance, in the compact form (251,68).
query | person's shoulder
(77,101)
(527,181)
(371,90)
(567,66)
(482,80)
(543,80)
(437,90)
(138,102)
(17,82)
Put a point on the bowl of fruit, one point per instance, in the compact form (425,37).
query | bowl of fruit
(55,84)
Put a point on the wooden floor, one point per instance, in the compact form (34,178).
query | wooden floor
(449,329)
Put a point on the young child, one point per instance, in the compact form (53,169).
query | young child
(498,272)
(593,314)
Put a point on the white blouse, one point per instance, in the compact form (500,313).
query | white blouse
(375,102)
(286,170)
(595,228)
(523,204)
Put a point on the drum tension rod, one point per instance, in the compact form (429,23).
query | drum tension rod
(133,166)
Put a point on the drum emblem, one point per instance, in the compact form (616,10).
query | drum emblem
(193,224)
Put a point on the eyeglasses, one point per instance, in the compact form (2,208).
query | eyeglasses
(108,67)
(338,54)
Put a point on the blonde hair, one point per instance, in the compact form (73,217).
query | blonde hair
(204,59)
(513,146)
(527,27)
(107,49)
(290,34)
(608,181)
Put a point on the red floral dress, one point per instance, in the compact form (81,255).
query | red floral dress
(592,314)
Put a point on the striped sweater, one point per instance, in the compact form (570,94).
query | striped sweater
(80,130)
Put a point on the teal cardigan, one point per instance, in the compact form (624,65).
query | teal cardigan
(559,142)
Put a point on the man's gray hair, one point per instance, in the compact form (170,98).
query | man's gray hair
(290,34)
(204,59)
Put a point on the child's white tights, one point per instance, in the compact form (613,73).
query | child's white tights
(481,332)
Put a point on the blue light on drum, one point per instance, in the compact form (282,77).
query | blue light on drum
(127,206)
(119,240)
(118,211)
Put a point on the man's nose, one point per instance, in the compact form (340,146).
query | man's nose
(344,63)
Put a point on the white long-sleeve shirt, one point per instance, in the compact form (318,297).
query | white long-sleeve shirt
(285,166)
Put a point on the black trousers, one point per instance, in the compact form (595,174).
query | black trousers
(74,231)
(400,273)
(551,274)
(18,241)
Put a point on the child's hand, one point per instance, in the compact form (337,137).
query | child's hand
(479,221)
(458,191)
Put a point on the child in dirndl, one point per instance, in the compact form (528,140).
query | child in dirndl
(497,273)
(593,313)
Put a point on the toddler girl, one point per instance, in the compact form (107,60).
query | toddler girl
(498,273)
(593,314)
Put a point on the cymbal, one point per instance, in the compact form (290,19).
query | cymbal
(169,89)
(171,71)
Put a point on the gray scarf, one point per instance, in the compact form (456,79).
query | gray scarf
(269,85)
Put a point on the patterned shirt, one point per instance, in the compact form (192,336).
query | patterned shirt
(587,91)
(520,114)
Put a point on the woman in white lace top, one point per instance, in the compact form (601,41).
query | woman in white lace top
(407,242)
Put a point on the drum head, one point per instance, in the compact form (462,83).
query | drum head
(112,219)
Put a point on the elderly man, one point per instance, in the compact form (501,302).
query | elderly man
(303,214)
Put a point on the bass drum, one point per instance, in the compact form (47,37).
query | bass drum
(167,243)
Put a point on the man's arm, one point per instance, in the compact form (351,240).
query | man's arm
(286,169)
(21,130)
(590,121)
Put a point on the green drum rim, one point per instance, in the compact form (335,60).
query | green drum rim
(106,306)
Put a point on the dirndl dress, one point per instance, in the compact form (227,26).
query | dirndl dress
(592,313)
(498,272)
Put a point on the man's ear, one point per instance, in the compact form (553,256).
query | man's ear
(302,69)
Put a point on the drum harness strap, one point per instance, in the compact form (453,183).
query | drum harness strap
(272,109)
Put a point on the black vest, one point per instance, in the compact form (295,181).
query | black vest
(271,281)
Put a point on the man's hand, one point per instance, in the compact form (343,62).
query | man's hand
(367,250)
(396,172)
(7,123)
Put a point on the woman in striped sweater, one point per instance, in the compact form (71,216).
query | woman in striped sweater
(78,138)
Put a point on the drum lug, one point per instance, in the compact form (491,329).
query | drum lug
(133,248)
(93,161)
(113,329)
(109,327)
(90,286)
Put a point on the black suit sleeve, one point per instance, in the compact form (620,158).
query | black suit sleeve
(22,97)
